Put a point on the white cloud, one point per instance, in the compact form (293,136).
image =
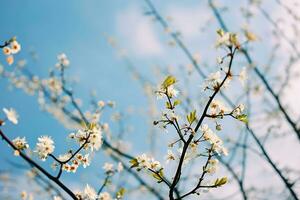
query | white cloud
(189,20)
(138,32)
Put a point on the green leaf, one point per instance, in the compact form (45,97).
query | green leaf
(220,182)
(177,102)
(191,117)
(121,193)
(134,163)
(170,80)
(12,39)
(158,176)
(220,32)
(168,105)
(243,118)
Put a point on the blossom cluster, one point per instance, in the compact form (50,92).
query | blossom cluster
(227,39)
(167,88)
(63,61)
(213,139)
(44,147)
(89,193)
(90,138)
(11,115)
(217,107)
(110,168)
(71,164)
(20,143)
(146,162)
(12,47)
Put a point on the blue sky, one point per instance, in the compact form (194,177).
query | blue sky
(78,28)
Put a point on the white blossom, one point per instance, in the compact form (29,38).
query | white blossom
(120,167)
(20,143)
(89,193)
(212,166)
(15,47)
(213,139)
(108,167)
(243,76)
(213,80)
(6,51)
(104,196)
(218,108)
(147,162)
(11,115)
(57,198)
(170,156)
(44,147)
(62,60)
(90,137)
(10,59)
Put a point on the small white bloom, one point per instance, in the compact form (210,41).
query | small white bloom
(212,166)
(15,47)
(11,115)
(92,134)
(101,104)
(10,59)
(213,139)
(86,161)
(120,167)
(170,156)
(63,60)
(218,108)
(219,60)
(239,109)
(104,196)
(6,51)
(213,80)
(243,76)
(44,147)
(20,143)
(172,92)
(57,198)
(108,167)
(89,193)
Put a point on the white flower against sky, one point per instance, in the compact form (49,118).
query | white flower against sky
(57,198)
(213,80)
(11,115)
(10,59)
(213,139)
(217,107)
(89,193)
(243,76)
(15,47)
(62,60)
(20,143)
(172,92)
(6,51)
(170,156)
(108,167)
(120,167)
(44,147)
(92,134)
(104,196)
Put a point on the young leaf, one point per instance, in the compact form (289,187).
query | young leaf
(243,118)
(220,182)
(191,117)
(168,105)
(121,193)
(170,80)
(158,176)
(134,163)
(177,102)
